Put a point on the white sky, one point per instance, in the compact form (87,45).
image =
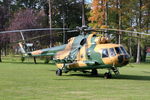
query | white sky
(88,1)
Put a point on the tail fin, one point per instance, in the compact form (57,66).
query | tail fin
(21,48)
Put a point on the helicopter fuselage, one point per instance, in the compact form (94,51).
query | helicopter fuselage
(91,52)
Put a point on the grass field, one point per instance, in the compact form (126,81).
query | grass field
(30,81)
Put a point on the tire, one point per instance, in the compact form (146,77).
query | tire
(107,76)
(59,72)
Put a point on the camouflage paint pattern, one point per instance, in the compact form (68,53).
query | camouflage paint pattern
(79,54)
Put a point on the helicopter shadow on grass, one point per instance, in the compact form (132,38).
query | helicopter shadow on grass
(123,77)
(88,77)
(133,77)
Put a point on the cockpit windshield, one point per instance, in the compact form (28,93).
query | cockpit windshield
(118,50)
(112,52)
(124,51)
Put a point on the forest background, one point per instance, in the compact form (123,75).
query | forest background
(133,15)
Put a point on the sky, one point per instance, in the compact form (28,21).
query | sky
(88,1)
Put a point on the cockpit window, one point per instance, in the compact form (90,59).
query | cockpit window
(124,51)
(118,50)
(112,52)
(104,53)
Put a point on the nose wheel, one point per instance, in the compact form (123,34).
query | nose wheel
(107,75)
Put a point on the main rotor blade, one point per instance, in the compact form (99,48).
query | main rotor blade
(141,33)
(144,39)
(40,29)
(28,39)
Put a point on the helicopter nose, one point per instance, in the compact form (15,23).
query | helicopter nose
(120,59)
(123,59)
(126,57)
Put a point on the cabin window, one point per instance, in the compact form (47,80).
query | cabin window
(112,52)
(104,53)
(124,51)
(118,50)
(83,41)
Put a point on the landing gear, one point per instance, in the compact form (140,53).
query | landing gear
(94,72)
(115,70)
(35,60)
(22,59)
(59,72)
(107,75)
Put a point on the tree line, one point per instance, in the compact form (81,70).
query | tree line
(25,14)
(131,15)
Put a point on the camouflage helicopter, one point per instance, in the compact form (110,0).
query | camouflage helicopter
(87,51)
(84,52)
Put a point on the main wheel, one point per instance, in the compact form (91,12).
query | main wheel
(107,75)
(59,72)
(94,72)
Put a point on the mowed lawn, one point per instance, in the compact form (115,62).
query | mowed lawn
(30,81)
